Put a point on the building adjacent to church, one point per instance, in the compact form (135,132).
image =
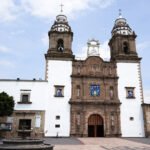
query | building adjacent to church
(84,98)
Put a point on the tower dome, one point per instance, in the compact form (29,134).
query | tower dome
(121,27)
(61,24)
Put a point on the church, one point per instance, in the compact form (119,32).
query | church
(81,98)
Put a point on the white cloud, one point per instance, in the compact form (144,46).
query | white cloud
(11,9)
(82,53)
(8,10)
(143,45)
(105,51)
(50,8)
(6,63)
(147,96)
(4,49)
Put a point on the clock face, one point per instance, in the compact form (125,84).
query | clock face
(95,90)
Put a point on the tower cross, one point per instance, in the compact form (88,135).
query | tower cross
(120,12)
(61,7)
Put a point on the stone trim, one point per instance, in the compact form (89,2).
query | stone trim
(94,102)
(140,82)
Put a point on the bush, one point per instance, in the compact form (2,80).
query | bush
(6,104)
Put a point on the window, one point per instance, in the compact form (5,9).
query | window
(60,44)
(25,124)
(130,92)
(95,90)
(126,48)
(57,125)
(25,97)
(131,118)
(57,117)
(59,91)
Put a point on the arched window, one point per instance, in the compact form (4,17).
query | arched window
(126,48)
(60,45)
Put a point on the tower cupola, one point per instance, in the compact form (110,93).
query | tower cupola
(121,26)
(61,24)
(123,41)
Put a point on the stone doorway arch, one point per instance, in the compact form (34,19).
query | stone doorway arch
(95,126)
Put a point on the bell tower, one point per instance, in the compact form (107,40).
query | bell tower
(59,58)
(122,43)
(60,39)
(123,52)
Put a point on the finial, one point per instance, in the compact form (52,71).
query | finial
(120,13)
(61,7)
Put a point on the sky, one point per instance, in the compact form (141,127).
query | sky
(24,25)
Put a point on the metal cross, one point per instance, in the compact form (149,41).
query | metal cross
(120,12)
(61,7)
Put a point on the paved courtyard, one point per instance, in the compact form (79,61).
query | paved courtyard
(99,143)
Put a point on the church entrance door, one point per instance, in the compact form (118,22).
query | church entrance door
(95,126)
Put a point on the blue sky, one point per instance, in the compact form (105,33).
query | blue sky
(24,25)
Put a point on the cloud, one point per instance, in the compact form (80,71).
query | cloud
(6,63)
(50,8)
(4,49)
(105,51)
(143,45)
(11,9)
(8,10)
(82,53)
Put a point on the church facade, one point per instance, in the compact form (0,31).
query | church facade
(83,98)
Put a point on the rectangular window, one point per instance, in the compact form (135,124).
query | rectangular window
(59,91)
(57,125)
(95,90)
(130,92)
(57,117)
(131,118)
(25,124)
(25,97)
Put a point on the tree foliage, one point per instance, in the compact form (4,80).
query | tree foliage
(6,104)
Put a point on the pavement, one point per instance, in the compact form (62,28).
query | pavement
(99,143)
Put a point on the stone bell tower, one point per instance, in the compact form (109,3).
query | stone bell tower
(60,39)
(124,54)
(122,43)
(59,59)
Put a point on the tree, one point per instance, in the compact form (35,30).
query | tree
(6,104)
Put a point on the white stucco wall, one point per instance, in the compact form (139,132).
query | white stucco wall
(58,73)
(129,76)
(38,93)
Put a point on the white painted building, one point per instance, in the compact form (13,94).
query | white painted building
(52,95)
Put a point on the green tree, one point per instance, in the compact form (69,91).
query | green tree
(6,104)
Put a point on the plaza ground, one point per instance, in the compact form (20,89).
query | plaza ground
(99,143)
